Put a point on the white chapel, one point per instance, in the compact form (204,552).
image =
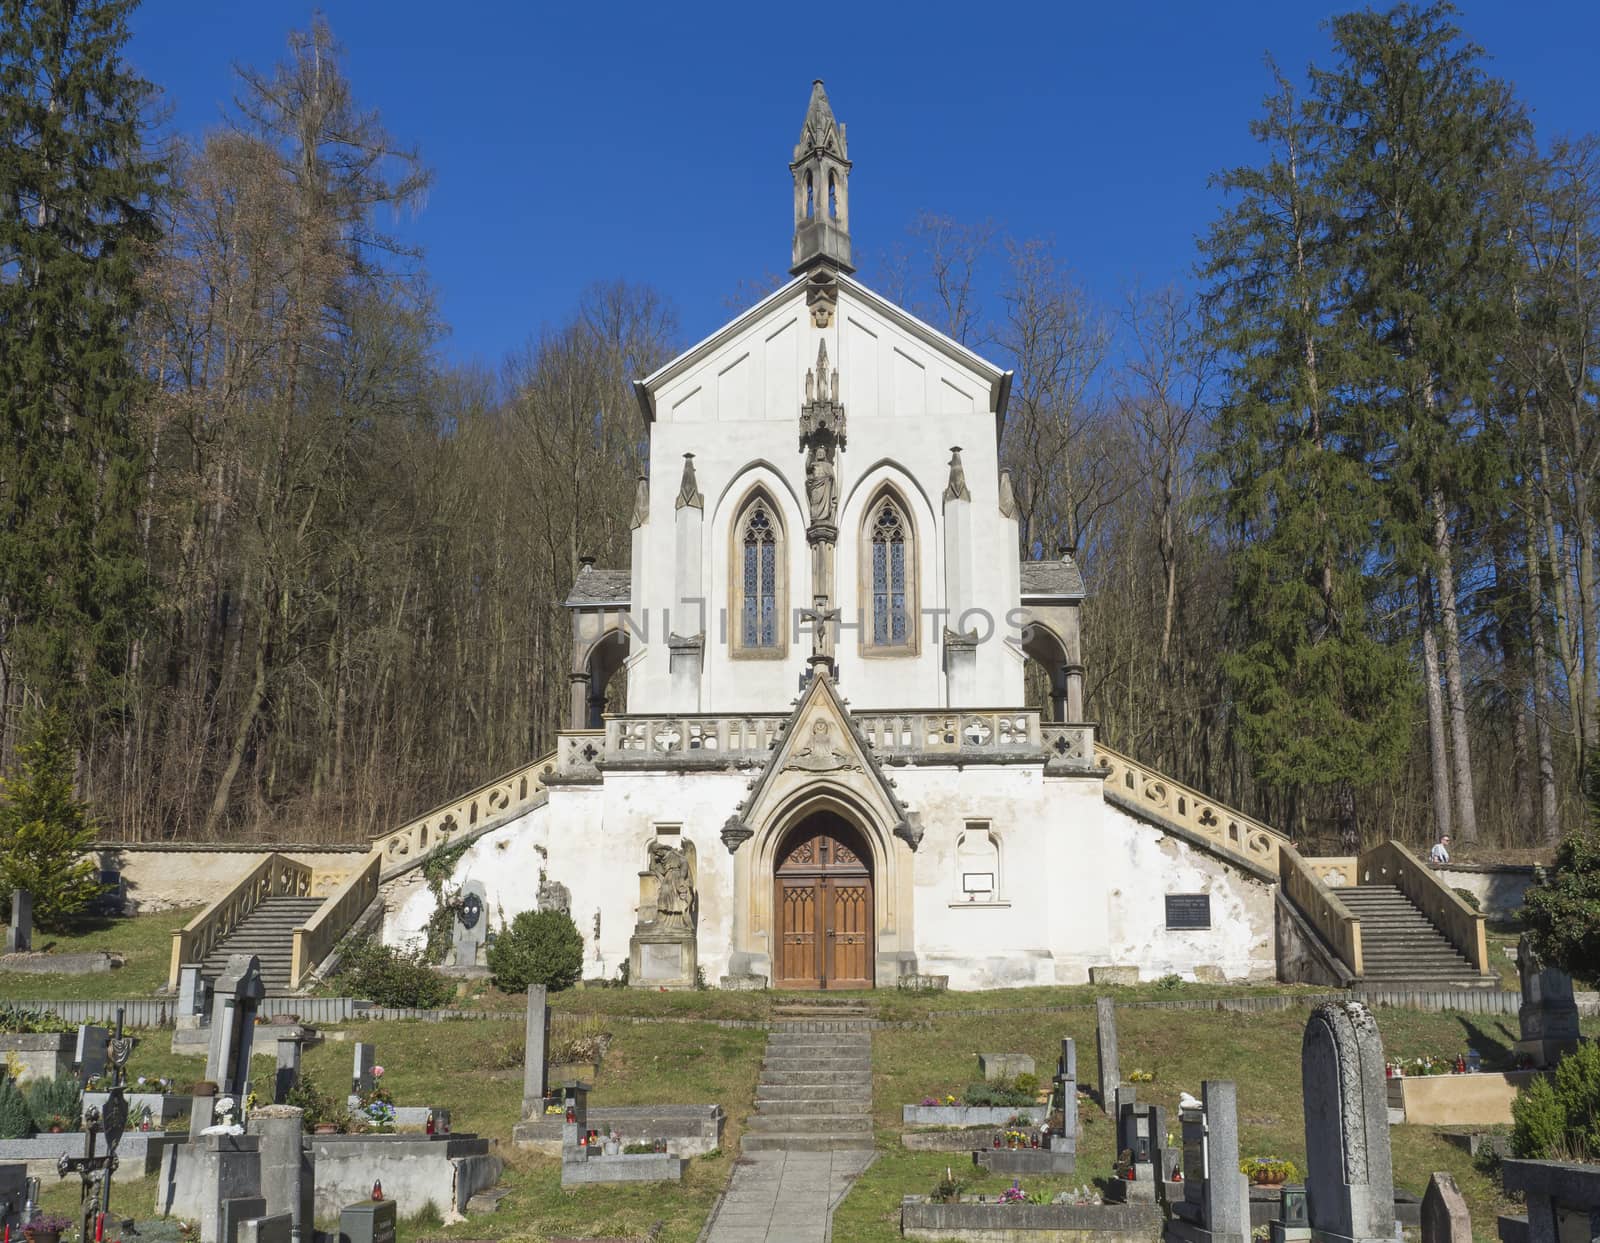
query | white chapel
(826,775)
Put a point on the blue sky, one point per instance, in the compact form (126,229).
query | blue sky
(579,142)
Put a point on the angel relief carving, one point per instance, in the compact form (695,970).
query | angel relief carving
(821,754)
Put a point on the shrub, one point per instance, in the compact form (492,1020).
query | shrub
(540,947)
(391,977)
(16,1119)
(579,1040)
(17,1021)
(51,1098)
(1026,1083)
(319,1107)
(1170,981)
(1558,1117)
(1001,1094)
(1467,896)
(1562,909)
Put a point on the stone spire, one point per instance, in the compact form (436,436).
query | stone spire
(689,489)
(956,488)
(821,171)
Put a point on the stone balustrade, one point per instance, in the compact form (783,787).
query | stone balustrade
(1392,864)
(511,794)
(1144,791)
(1335,923)
(276,876)
(652,738)
(315,940)
(949,732)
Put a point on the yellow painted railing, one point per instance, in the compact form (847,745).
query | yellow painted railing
(315,939)
(276,876)
(1143,790)
(1335,923)
(1392,864)
(505,796)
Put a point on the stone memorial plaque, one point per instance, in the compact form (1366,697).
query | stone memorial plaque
(1188,910)
(661,962)
(90,1055)
(370,1222)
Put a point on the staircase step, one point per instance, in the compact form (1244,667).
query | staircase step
(808,1124)
(800,1141)
(845,1104)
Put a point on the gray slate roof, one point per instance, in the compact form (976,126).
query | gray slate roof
(1052,578)
(594,586)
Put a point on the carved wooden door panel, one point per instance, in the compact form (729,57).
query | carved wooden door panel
(824,910)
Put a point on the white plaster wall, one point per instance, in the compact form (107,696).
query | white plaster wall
(737,411)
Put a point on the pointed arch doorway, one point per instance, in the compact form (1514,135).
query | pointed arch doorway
(823,901)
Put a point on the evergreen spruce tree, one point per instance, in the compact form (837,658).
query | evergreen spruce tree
(76,212)
(45,830)
(1323,705)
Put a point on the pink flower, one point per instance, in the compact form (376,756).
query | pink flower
(377,1072)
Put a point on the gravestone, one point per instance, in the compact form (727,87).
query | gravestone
(191,997)
(1105,1043)
(1216,1197)
(362,1080)
(997,1066)
(534,1082)
(288,1166)
(1349,1179)
(89,1056)
(1067,1096)
(370,1222)
(1549,1013)
(276,1228)
(287,1074)
(19,933)
(1445,1218)
(234,1000)
(13,1196)
(235,1213)
(471,925)
(574,1119)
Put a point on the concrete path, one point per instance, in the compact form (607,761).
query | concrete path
(784,1197)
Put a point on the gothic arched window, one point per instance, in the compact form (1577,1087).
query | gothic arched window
(890,557)
(759,586)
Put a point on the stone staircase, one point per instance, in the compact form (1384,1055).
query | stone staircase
(815,1093)
(268,933)
(1399,945)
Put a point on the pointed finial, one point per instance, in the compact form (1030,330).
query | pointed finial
(689,490)
(641,500)
(1008,496)
(956,488)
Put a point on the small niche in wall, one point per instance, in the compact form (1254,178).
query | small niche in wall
(1187,911)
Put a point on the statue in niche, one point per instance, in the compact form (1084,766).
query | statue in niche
(821,494)
(674,888)
(554,896)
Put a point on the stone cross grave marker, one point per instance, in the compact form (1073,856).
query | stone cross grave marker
(234,1001)
(1067,1096)
(89,1056)
(1350,1178)
(1105,1043)
(535,1082)
(1445,1218)
(362,1080)
(19,933)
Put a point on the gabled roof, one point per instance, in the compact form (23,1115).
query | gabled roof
(1061,579)
(999,380)
(594,586)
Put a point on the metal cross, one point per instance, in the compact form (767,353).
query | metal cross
(112,1120)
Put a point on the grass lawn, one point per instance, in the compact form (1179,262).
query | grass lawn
(144,941)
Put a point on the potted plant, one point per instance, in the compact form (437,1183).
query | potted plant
(1269,1171)
(46,1228)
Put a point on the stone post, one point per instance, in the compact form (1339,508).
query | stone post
(288,1070)
(1105,1043)
(1350,1178)
(534,1081)
(361,1077)
(288,1179)
(1227,1199)
(234,1000)
(191,997)
(19,933)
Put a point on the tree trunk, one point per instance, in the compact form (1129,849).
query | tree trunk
(1466,810)
(1548,819)
(1438,752)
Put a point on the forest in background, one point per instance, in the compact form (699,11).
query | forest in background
(292,576)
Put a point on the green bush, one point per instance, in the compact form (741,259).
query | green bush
(16,1119)
(1558,1117)
(55,1098)
(17,1021)
(319,1107)
(1562,909)
(1002,1093)
(391,977)
(540,947)
(1467,896)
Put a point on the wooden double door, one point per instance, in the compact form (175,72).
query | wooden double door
(823,905)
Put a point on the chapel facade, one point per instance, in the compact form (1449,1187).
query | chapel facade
(826,775)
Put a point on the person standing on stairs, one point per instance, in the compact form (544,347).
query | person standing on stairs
(1440,854)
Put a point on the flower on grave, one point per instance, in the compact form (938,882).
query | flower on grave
(949,1099)
(377,1072)
(1013,1195)
(1141,1076)
(141,1081)
(222,1111)
(929,1100)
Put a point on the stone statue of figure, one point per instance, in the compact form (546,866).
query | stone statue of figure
(674,891)
(821,495)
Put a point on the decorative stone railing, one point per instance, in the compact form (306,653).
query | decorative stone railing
(652,737)
(1143,791)
(1338,927)
(315,939)
(1392,864)
(276,876)
(506,796)
(955,730)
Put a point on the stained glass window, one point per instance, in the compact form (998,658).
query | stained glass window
(891,622)
(758,623)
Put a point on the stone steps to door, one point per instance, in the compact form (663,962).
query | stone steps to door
(1399,943)
(815,1090)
